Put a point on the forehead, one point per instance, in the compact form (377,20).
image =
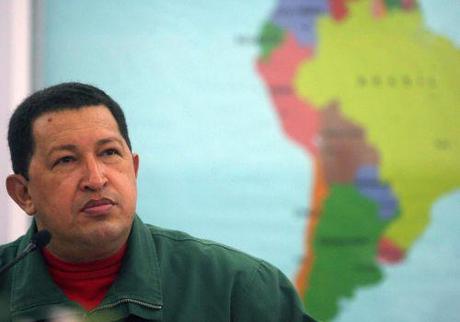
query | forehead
(70,123)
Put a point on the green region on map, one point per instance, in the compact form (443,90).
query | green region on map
(271,37)
(345,250)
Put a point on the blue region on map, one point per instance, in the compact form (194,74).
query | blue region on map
(368,184)
(299,17)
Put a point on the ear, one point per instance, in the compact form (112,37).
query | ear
(136,163)
(18,189)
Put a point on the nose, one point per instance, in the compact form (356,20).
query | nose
(94,178)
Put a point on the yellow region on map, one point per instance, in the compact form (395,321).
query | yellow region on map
(401,83)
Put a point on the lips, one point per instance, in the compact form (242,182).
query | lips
(98,206)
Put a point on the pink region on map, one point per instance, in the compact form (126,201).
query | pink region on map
(299,118)
(408,4)
(378,9)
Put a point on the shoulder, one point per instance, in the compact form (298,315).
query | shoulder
(180,254)
(7,254)
(175,245)
(9,251)
(214,275)
(254,289)
(187,260)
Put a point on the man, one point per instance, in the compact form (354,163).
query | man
(75,174)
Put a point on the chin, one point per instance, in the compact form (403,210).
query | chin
(106,233)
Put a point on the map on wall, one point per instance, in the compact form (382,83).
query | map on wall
(322,136)
(370,96)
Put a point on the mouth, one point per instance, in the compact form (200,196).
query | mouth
(96,207)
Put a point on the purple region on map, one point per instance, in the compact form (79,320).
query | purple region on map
(299,17)
(367,182)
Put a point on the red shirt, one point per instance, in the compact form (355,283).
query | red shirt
(85,283)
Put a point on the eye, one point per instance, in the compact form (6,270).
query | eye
(111,152)
(64,160)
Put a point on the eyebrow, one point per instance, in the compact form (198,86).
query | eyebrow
(64,147)
(109,140)
(73,147)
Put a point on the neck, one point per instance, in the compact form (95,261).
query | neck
(81,253)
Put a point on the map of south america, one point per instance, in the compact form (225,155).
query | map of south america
(370,95)
(319,135)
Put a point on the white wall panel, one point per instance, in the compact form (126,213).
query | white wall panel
(15,71)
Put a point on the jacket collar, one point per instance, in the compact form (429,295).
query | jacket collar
(136,291)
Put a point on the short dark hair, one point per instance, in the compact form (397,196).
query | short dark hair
(60,97)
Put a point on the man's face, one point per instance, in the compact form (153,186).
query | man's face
(82,182)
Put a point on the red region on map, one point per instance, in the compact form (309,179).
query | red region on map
(389,252)
(339,10)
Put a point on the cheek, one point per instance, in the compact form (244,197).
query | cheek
(127,185)
(53,196)
(130,190)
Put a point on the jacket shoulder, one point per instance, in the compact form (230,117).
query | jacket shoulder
(177,244)
(245,287)
(9,251)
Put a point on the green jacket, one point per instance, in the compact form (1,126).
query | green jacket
(166,276)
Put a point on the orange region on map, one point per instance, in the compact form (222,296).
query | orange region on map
(299,121)
(319,194)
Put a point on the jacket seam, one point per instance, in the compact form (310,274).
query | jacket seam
(252,279)
(258,261)
(244,290)
(5,248)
